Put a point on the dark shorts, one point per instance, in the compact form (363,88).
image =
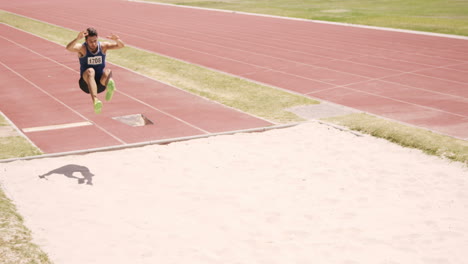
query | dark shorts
(84,86)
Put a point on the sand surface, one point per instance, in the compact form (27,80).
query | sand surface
(306,194)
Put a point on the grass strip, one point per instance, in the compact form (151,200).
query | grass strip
(407,136)
(15,146)
(3,121)
(440,16)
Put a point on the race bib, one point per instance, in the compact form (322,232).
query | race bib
(95,60)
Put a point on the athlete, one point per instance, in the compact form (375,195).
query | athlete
(94,76)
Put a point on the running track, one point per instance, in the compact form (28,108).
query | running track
(412,78)
(39,90)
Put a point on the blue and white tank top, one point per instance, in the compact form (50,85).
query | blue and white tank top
(97,60)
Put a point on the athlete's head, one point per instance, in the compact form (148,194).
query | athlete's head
(91,32)
(92,39)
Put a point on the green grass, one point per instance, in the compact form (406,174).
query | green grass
(15,146)
(407,136)
(3,121)
(441,16)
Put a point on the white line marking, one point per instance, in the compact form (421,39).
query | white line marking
(55,127)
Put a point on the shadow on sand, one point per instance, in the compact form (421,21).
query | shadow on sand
(69,170)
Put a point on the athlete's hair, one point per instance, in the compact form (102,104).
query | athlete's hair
(91,32)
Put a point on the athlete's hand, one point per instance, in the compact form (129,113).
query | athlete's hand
(113,37)
(118,42)
(82,34)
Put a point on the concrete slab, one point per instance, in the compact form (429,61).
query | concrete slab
(322,110)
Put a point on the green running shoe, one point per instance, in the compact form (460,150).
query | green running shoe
(97,106)
(110,90)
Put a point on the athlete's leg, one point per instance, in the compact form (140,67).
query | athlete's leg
(88,77)
(107,81)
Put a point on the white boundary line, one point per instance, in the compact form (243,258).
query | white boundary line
(311,20)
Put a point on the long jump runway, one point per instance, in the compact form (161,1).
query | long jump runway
(416,79)
(40,95)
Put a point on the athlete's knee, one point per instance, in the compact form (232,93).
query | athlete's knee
(89,73)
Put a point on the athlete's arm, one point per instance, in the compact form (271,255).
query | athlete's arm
(118,44)
(73,46)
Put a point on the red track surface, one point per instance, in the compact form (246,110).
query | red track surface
(416,79)
(39,88)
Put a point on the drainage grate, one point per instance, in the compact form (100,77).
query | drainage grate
(134,120)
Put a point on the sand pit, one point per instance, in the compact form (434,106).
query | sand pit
(305,194)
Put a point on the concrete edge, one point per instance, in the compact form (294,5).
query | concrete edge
(147,143)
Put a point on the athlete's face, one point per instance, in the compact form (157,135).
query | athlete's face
(92,43)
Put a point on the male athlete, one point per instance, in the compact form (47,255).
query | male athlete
(94,77)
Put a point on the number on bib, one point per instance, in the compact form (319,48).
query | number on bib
(95,60)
